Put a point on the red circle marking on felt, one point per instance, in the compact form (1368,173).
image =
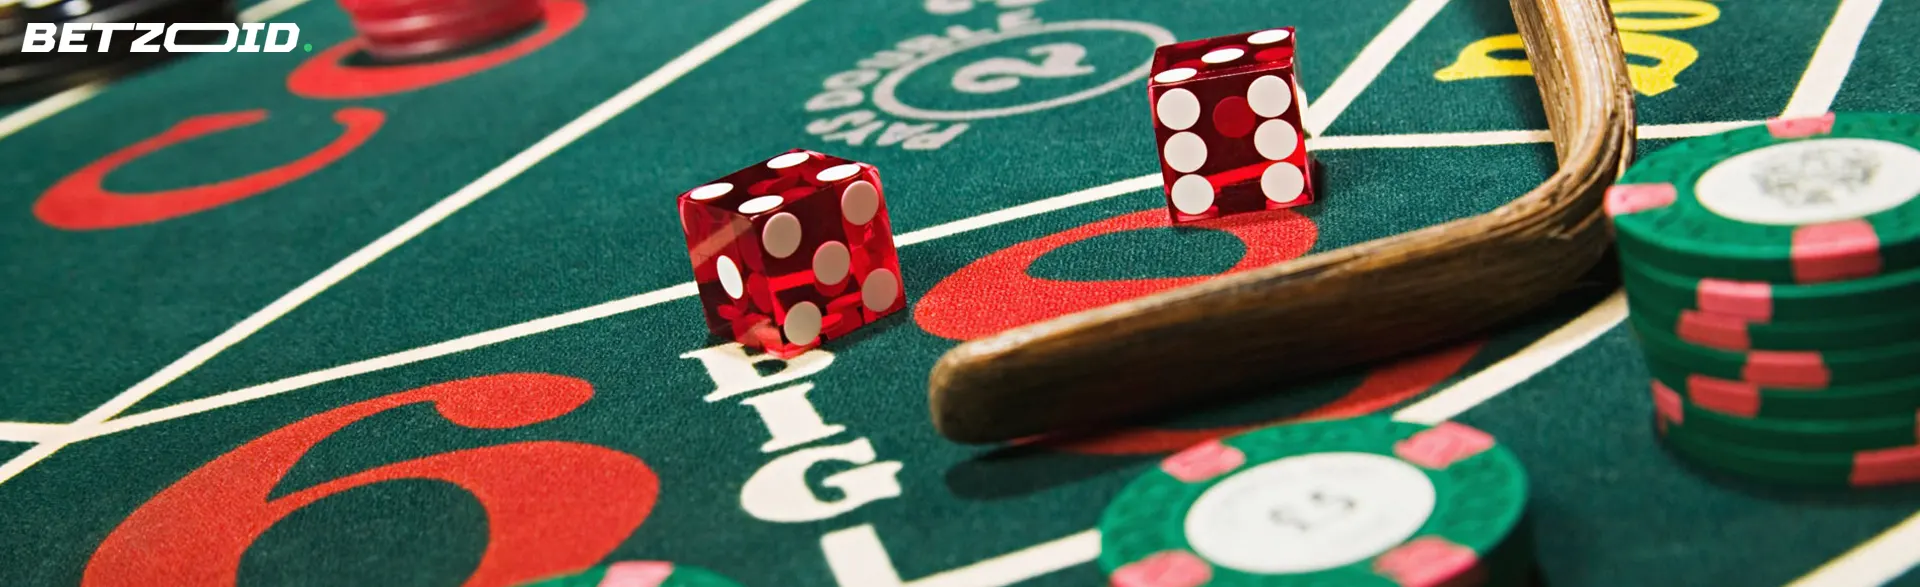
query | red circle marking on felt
(551,507)
(1382,388)
(80,201)
(1233,117)
(995,293)
(323,77)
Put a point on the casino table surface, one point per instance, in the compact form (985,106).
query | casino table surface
(307,319)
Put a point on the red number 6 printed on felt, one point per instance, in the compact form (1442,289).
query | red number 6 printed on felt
(551,507)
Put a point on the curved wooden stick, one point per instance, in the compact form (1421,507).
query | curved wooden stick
(1336,309)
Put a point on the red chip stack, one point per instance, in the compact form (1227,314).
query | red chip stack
(414,29)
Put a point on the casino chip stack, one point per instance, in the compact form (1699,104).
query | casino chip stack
(638,574)
(1773,276)
(1365,501)
(28,76)
(398,30)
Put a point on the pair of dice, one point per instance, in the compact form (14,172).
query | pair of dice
(798,249)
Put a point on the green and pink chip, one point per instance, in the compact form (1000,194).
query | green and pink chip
(638,574)
(1812,200)
(1349,503)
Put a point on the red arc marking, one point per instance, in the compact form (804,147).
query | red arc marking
(81,202)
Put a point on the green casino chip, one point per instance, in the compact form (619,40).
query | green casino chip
(1890,466)
(638,574)
(1894,293)
(1824,199)
(1892,430)
(1805,370)
(1836,402)
(1360,502)
(1737,334)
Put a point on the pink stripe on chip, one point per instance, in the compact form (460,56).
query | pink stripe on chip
(637,574)
(1173,568)
(1666,403)
(1886,467)
(1788,370)
(1727,397)
(1627,199)
(1203,461)
(1428,561)
(1443,445)
(1836,252)
(1795,128)
(1713,331)
(1750,300)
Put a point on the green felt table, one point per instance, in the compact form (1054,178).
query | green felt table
(304,319)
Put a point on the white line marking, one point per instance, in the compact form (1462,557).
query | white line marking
(1088,196)
(268,9)
(1875,562)
(1695,129)
(57,103)
(1367,66)
(858,559)
(85,430)
(18,464)
(1833,59)
(30,431)
(46,108)
(1519,367)
(572,131)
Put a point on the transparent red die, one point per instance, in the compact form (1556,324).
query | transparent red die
(1226,117)
(792,251)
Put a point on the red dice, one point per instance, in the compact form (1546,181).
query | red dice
(1227,119)
(792,251)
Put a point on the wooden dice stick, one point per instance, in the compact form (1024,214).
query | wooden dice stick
(1336,309)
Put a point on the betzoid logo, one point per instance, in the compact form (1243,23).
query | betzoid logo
(151,37)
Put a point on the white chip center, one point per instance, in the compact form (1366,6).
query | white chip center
(1812,182)
(1309,513)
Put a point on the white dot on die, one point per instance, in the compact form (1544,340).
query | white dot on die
(803,323)
(838,172)
(760,204)
(730,277)
(1223,55)
(1177,74)
(1192,194)
(787,160)
(859,202)
(1276,139)
(1282,182)
(1185,152)
(879,290)
(830,263)
(1269,37)
(710,191)
(1269,96)
(1178,109)
(781,237)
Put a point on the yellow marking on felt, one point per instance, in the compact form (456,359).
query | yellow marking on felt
(1672,57)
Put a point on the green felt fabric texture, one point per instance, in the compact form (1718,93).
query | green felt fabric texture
(89,314)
